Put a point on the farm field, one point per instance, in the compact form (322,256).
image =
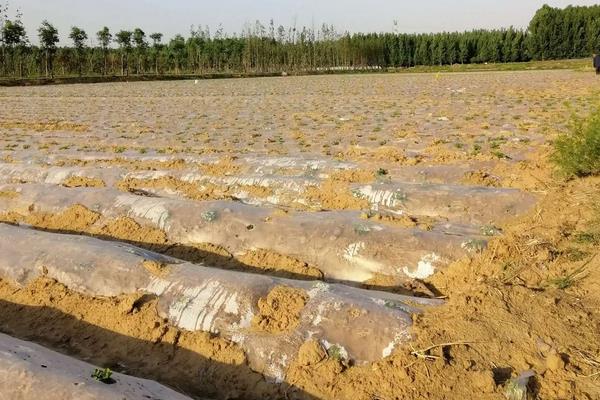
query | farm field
(363,236)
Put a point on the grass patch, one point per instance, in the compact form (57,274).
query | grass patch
(568,280)
(589,238)
(577,153)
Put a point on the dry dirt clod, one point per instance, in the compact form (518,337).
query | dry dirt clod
(554,361)
(311,353)
(279,311)
(156,268)
(82,181)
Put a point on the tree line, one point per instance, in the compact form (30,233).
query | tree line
(553,33)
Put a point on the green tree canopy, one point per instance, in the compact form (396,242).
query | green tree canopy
(48,36)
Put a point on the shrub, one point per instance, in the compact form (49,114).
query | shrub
(577,153)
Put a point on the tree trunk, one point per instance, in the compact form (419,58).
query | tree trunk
(105,65)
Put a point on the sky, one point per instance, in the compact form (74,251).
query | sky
(177,16)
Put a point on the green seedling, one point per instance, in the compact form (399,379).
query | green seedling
(210,216)
(489,230)
(474,245)
(103,375)
(381,172)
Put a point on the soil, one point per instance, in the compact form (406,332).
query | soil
(193,190)
(82,181)
(335,195)
(268,260)
(507,311)
(529,301)
(279,311)
(126,334)
(406,221)
(11,194)
(480,178)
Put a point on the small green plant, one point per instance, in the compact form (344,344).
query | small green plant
(210,216)
(335,352)
(357,194)
(397,306)
(517,388)
(361,229)
(103,375)
(119,149)
(591,238)
(474,245)
(515,391)
(400,196)
(577,153)
(574,254)
(568,280)
(489,230)
(500,154)
(381,172)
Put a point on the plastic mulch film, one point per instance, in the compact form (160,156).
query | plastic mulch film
(340,243)
(459,203)
(473,204)
(31,173)
(363,325)
(63,377)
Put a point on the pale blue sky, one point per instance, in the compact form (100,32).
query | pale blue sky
(176,16)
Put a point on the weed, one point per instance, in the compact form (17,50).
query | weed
(574,255)
(119,149)
(589,238)
(500,155)
(566,281)
(577,153)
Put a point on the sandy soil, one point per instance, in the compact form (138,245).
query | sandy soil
(524,299)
